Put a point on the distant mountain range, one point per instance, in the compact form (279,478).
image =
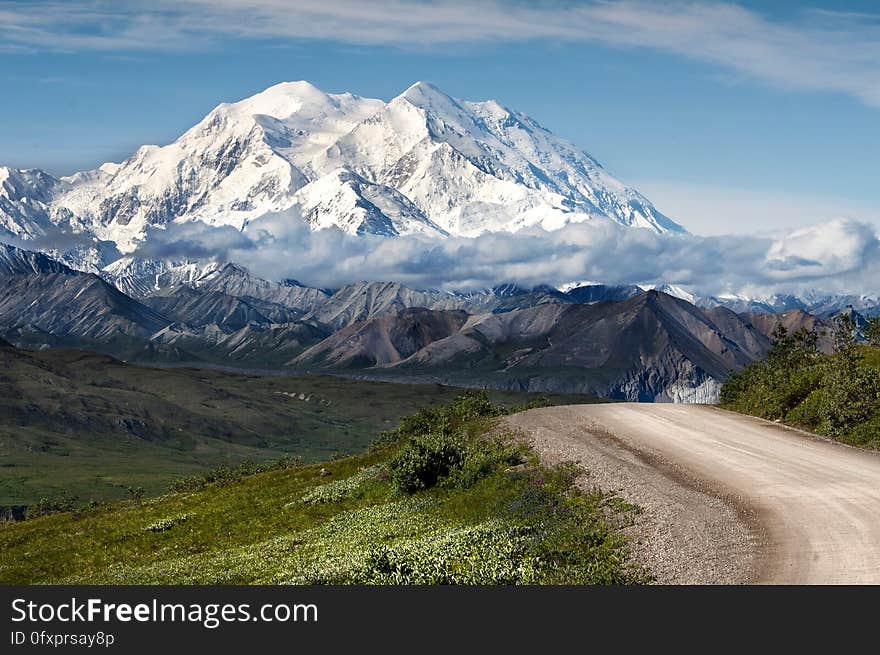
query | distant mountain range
(423,163)
(812,302)
(140,278)
(616,341)
(650,347)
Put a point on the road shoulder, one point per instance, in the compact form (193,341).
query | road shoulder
(686,534)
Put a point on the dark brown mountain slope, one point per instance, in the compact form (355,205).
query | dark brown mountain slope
(386,339)
(794,320)
(651,347)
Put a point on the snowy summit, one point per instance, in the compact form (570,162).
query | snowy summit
(422,163)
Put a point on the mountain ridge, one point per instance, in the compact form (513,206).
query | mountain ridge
(621,341)
(421,163)
(649,347)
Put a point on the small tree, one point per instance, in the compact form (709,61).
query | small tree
(789,351)
(806,343)
(845,342)
(782,345)
(786,377)
(853,390)
(873,331)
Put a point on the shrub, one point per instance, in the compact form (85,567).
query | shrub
(452,461)
(473,405)
(45,506)
(446,419)
(426,460)
(809,413)
(537,403)
(873,331)
(852,396)
(832,395)
(445,445)
(135,493)
(225,475)
(867,434)
(482,457)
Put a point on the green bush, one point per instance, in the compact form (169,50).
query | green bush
(537,403)
(867,434)
(426,460)
(474,405)
(135,493)
(852,395)
(46,506)
(447,419)
(452,459)
(810,412)
(226,475)
(442,446)
(482,457)
(873,331)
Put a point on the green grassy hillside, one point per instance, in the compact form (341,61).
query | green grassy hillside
(444,499)
(80,424)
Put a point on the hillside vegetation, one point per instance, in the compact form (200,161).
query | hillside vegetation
(836,395)
(443,499)
(80,424)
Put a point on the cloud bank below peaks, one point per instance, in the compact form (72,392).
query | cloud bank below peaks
(840,256)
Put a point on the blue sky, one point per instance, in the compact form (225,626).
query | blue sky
(730,117)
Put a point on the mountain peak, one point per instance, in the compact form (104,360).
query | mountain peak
(231,268)
(301,87)
(17,261)
(423,163)
(423,87)
(283,100)
(430,98)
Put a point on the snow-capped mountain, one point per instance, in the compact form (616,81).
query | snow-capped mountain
(139,277)
(672,290)
(475,167)
(15,261)
(25,196)
(422,163)
(812,302)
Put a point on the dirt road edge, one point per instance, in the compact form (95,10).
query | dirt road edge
(687,532)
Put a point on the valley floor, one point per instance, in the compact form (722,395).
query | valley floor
(78,426)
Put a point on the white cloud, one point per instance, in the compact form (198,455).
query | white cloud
(816,50)
(841,255)
(712,209)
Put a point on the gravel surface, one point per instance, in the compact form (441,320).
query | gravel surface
(729,498)
(684,535)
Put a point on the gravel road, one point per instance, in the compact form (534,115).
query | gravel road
(727,498)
